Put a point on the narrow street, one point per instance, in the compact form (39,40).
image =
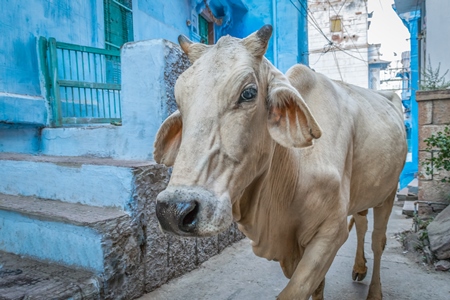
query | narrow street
(238,274)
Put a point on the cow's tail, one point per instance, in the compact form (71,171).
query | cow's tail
(351,223)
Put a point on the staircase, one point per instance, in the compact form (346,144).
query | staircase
(90,214)
(92,220)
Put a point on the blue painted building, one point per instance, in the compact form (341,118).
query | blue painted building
(26,107)
(410,13)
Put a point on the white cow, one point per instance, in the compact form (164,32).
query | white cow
(288,157)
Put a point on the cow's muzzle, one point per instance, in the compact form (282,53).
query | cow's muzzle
(192,211)
(177,217)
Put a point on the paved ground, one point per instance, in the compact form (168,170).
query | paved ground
(238,274)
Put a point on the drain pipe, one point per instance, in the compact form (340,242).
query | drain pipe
(275,36)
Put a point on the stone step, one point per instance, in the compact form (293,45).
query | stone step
(91,181)
(129,254)
(408,208)
(408,197)
(24,278)
(66,233)
(413,187)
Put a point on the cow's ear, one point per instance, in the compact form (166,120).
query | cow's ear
(290,121)
(192,50)
(168,140)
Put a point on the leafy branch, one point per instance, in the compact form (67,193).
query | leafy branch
(439,146)
(432,80)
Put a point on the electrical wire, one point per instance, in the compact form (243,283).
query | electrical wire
(337,65)
(345,29)
(311,19)
(339,8)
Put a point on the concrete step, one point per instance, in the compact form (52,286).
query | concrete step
(66,233)
(408,208)
(24,278)
(91,181)
(105,241)
(413,187)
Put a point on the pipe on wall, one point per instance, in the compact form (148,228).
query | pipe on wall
(275,36)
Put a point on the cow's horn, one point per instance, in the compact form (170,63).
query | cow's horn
(265,33)
(184,43)
(257,42)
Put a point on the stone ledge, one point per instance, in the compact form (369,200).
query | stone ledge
(432,95)
(76,160)
(54,210)
(100,182)
(23,109)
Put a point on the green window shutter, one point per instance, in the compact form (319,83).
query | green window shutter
(118,23)
(118,31)
(203,29)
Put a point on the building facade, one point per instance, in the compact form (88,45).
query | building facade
(27,111)
(338,42)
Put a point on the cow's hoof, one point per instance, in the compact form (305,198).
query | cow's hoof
(359,276)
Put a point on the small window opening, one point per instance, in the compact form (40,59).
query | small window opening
(336,24)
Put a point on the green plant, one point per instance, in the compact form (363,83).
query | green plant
(421,224)
(432,80)
(439,146)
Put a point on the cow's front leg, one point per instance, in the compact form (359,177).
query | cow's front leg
(316,260)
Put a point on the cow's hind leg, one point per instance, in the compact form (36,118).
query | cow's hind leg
(381,216)
(318,293)
(360,268)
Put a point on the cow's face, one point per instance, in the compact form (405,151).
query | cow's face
(232,105)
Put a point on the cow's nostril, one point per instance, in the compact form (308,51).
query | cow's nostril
(190,219)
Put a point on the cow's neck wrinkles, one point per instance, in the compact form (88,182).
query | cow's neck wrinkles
(263,208)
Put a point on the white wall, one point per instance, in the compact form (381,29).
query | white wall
(438,35)
(347,58)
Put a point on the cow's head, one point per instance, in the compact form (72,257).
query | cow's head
(233,107)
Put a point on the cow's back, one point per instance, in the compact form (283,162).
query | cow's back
(363,136)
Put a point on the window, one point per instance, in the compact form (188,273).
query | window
(118,23)
(336,24)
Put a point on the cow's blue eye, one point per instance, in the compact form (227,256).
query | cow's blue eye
(248,94)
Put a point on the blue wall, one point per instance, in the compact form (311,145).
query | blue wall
(161,19)
(24,109)
(78,22)
(288,45)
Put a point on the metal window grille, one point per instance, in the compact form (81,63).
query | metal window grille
(83,83)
